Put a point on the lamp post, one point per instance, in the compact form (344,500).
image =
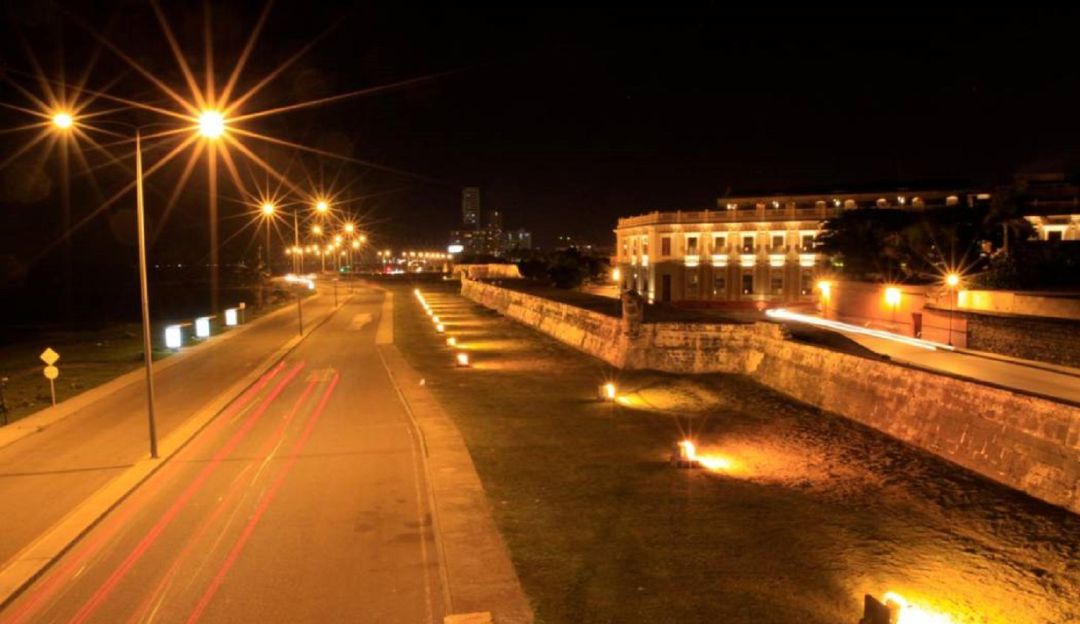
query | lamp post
(300,251)
(268,210)
(65,121)
(144,295)
(952,280)
(212,127)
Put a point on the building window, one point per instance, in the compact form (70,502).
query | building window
(719,285)
(748,283)
(807,242)
(1055,235)
(952,200)
(849,204)
(776,284)
(748,243)
(691,285)
(719,243)
(665,246)
(691,245)
(778,242)
(806,283)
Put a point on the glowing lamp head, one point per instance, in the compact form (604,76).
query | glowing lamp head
(616,275)
(952,280)
(892,296)
(462,359)
(211,124)
(268,209)
(608,391)
(337,239)
(322,206)
(356,244)
(440,328)
(825,287)
(451,342)
(63,120)
(316,230)
(349,228)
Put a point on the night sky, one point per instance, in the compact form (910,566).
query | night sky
(568,117)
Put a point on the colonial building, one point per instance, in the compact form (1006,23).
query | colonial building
(749,249)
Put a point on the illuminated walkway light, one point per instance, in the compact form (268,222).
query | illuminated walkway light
(173,337)
(462,359)
(202,327)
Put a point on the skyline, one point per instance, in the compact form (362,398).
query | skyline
(565,113)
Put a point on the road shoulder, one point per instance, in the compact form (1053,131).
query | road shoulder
(476,563)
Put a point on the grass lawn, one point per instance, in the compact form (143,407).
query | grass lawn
(87,359)
(810,512)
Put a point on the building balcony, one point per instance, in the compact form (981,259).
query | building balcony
(732,216)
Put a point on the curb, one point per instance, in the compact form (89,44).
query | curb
(29,563)
(480,583)
(43,419)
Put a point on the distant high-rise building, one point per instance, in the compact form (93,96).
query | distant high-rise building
(495,221)
(470,207)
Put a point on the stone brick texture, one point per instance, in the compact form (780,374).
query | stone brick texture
(1042,339)
(1028,443)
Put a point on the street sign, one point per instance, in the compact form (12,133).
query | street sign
(49,356)
(51,372)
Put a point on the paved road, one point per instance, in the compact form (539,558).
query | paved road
(46,475)
(304,502)
(1000,372)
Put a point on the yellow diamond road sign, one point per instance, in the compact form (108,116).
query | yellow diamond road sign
(49,356)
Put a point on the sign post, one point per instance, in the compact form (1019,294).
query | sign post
(51,372)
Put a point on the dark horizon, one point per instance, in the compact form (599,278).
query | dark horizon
(568,118)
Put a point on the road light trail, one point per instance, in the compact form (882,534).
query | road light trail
(786,315)
(181,502)
(264,503)
(116,522)
(224,503)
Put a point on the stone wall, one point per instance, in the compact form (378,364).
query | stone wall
(1025,442)
(597,334)
(1056,305)
(1042,339)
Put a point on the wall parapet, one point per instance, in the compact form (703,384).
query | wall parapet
(1026,442)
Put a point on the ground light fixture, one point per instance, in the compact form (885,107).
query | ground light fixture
(440,328)
(462,359)
(894,609)
(435,319)
(231,317)
(451,341)
(202,327)
(685,455)
(174,339)
(608,391)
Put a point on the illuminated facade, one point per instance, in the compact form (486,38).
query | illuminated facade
(749,249)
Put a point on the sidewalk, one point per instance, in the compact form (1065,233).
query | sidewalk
(72,465)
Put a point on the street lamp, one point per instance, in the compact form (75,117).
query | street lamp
(322,207)
(211,124)
(952,280)
(268,210)
(63,120)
